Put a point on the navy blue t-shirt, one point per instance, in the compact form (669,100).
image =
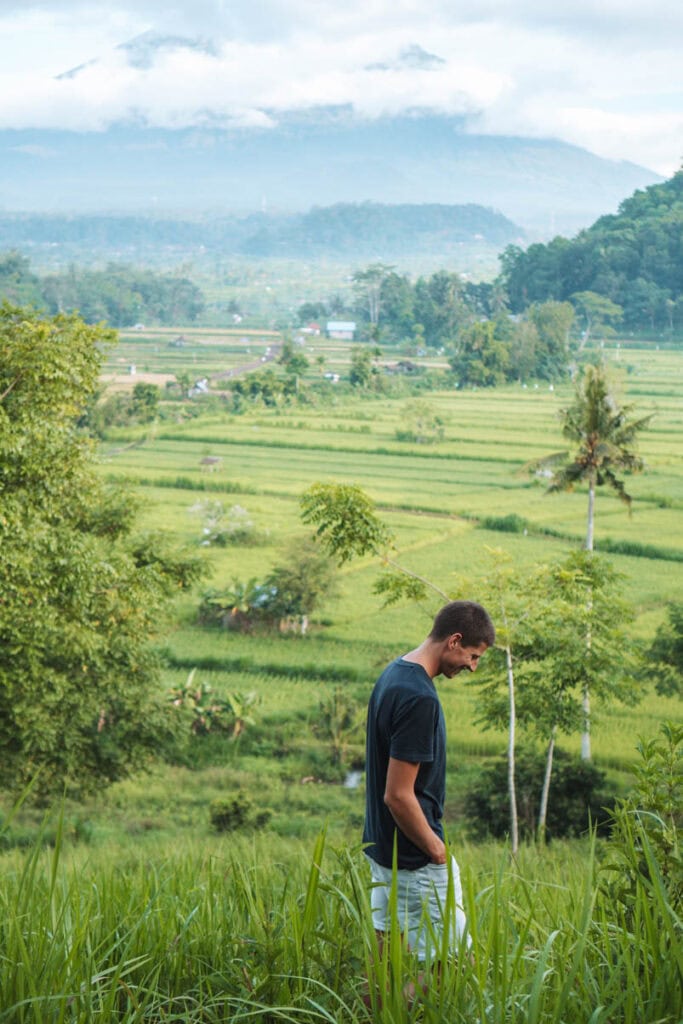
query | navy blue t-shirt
(406,722)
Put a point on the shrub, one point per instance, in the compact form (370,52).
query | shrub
(647,824)
(577,797)
(506,524)
(235,813)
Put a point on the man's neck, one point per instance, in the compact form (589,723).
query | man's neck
(427,655)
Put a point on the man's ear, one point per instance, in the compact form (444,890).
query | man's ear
(454,639)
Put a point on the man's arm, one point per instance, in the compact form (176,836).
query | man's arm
(399,796)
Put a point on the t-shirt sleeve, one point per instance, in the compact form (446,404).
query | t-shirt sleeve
(412,730)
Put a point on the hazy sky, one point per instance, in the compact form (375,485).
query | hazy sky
(607,75)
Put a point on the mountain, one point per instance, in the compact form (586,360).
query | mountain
(467,237)
(320,158)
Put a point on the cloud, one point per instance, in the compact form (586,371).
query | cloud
(596,74)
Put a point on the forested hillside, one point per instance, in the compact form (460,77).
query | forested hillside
(357,229)
(353,230)
(119,295)
(633,258)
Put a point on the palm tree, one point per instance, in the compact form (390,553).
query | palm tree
(605,433)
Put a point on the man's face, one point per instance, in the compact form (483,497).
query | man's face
(456,657)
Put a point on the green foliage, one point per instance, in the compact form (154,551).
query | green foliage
(123,296)
(211,712)
(574,635)
(361,371)
(665,657)
(236,813)
(17,284)
(300,585)
(511,523)
(346,521)
(81,597)
(598,313)
(630,261)
(283,600)
(339,720)
(421,424)
(482,359)
(647,824)
(233,527)
(605,433)
(394,586)
(578,798)
(261,385)
(145,402)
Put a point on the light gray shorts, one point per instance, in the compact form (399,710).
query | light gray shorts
(423,909)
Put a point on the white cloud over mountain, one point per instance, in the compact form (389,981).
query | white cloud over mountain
(606,75)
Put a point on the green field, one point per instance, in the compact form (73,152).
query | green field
(434,498)
(140,912)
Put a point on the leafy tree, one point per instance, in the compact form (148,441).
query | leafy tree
(552,322)
(482,359)
(339,720)
(145,402)
(665,657)
(598,314)
(361,372)
(262,385)
(301,584)
(17,283)
(605,434)
(312,312)
(397,300)
(566,601)
(367,285)
(440,307)
(345,519)
(420,423)
(81,596)
(580,800)
(297,364)
(289,594)
(645,851)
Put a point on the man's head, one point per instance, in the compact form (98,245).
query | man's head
(462,631)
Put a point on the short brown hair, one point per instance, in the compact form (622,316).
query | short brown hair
(469,619)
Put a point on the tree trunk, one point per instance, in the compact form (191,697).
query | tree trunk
(514,826)
(543,810)
(591,514)
(586,733)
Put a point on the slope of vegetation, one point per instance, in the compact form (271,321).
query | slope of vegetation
(633,258)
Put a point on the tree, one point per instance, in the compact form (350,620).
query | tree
(482,359)
(367,284)
(665,656)
(598,312)
(420,423)
(145,402)
(605,433)
(81,595)
(553,321)
(301,584)
(361,370)
(566,601)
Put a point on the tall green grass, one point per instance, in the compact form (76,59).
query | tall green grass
(239,931)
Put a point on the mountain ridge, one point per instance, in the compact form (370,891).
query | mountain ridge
(318,159)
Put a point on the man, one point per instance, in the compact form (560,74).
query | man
(406,778)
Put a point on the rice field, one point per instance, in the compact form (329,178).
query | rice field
(130,908)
